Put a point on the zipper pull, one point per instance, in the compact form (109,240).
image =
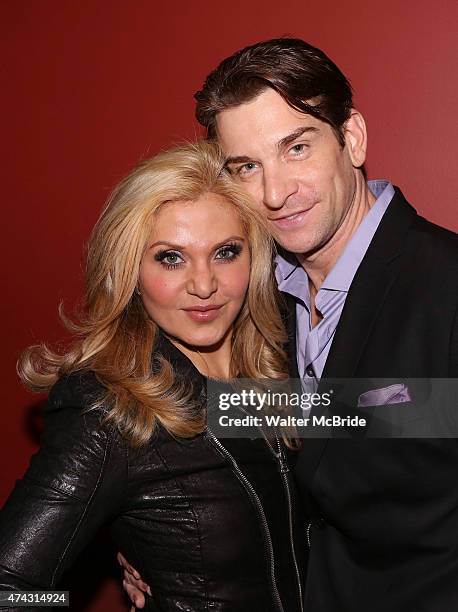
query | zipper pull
(309,526)
(284,467)
(319,523)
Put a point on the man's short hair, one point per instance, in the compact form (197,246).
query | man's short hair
(303,75)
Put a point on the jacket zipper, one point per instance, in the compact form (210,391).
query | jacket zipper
(254,496)
(309,527)
(284,470)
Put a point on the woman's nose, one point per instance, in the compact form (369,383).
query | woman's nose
(202,281)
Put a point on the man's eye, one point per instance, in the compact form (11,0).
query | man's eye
(297,149)
(246,168)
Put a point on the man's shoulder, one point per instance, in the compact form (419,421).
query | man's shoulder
(434,252)
(423,238)
(437,236)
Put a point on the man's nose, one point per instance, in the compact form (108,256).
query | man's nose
(278,186)
(202,281)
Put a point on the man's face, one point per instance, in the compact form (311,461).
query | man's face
(294,166)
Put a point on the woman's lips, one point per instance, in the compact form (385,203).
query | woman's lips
(203,314)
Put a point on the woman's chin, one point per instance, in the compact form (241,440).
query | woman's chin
(203,342)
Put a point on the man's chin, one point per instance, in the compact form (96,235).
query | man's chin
(296,246)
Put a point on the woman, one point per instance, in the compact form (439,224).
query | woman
(178,289)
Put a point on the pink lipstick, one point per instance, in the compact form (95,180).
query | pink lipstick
(203,314)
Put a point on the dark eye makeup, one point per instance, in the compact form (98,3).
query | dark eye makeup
(171,259)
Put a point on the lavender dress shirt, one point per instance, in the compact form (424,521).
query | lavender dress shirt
(313,344)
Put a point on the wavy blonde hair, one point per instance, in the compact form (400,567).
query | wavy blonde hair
(115,337)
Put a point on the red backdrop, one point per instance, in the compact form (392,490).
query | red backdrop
(90,87)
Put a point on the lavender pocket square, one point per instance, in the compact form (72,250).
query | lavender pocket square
(394,394)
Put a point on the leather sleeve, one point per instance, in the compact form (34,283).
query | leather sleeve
(454,348)
(75,482)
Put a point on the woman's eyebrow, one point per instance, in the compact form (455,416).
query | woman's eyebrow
(229,239)
(179,247)
(170,245)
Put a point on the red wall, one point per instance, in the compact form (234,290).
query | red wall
(91,87)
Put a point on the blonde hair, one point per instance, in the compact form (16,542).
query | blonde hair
(115,336)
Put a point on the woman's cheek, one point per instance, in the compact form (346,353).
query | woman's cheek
(160,291)
(237,281)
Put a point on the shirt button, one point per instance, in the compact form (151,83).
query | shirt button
(309,371)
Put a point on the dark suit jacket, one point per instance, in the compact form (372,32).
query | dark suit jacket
(384,534)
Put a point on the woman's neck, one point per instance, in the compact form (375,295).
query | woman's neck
(212,362)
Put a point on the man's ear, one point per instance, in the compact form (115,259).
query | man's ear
(356,138)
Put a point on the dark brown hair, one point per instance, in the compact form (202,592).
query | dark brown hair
(303,75)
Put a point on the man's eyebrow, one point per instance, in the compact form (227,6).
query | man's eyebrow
(296,134)
(244,159)
(240,159)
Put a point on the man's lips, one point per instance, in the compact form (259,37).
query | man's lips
(203,313)
(291,220)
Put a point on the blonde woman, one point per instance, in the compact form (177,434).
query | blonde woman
(179,288)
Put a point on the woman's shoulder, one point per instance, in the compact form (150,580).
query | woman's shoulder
(80,389)
(78,447)
(76,408)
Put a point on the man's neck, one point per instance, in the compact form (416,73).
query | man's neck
(319,263)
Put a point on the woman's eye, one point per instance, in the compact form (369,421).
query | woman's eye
(229,252)
(224,254)
(169,259)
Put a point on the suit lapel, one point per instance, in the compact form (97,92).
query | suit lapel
(368,291)
(362,306)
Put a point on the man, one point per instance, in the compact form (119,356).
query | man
(373,292)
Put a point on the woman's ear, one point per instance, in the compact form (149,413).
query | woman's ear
(356,138)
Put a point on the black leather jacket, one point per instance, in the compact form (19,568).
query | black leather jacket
(211,525)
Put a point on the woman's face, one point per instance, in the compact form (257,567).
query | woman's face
(195,271)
